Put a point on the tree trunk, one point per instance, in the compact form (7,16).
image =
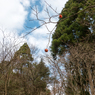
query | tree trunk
(90,81)
(5,92)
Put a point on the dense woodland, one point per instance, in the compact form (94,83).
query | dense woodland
(20,76)
(71,68)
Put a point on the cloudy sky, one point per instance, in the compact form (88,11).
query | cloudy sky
(15,16)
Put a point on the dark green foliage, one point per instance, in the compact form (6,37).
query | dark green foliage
(33,75)
(29,78)
(78,24)
(43,70)
(40,73)
(24,53)
(23,57)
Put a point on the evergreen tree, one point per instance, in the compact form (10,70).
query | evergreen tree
(77,22)
(76,26)
(23,57)
(28,79)
(32,76)
(40,75)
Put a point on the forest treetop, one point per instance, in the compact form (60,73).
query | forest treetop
(76,24)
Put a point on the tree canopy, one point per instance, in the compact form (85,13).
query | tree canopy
(77,22)
(75,34)
(28,78)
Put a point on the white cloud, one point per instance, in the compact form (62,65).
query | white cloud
(39,42)
(25,3)
(40,37)
(55,9)
(59,4)
(13,14)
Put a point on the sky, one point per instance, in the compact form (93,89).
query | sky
(15,21)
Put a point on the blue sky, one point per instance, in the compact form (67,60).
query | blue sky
(15,16)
